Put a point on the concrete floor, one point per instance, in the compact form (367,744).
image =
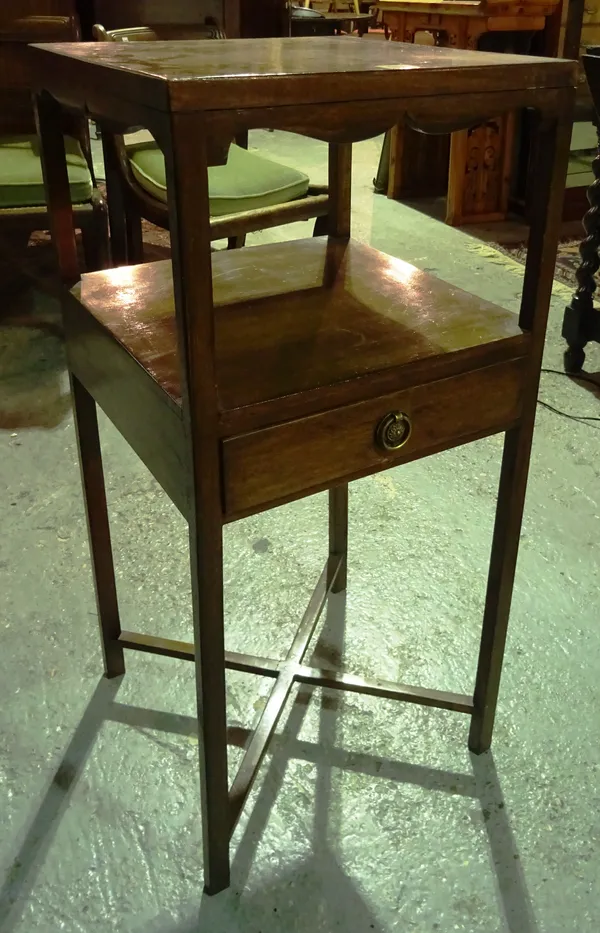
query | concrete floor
(368,815)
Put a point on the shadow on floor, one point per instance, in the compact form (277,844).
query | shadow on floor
(329,897)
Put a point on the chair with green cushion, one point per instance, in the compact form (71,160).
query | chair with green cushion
(21,181)
(22,198)
(248,193)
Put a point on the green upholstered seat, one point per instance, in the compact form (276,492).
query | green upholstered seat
(21,181)
(247,182)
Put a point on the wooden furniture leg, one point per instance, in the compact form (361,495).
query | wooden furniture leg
(549,171)
(457,169)
(48,115)
(189,216)
(116,201)
(338,537)
(581,321)
(236,242)
(133,235)
(127,247)
(321,226)
(395,170)
(94,494)
(339,224)
(49,121)
(95,239)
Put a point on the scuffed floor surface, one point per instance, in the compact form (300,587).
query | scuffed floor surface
(367,815)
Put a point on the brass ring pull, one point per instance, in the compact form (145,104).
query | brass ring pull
(393,430)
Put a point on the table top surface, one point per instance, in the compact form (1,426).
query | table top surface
(235,73)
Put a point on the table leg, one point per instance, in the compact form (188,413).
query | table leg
(185,147)
(94,496)
(339,220)
(550,166)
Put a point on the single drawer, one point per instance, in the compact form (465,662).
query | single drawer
(289,460)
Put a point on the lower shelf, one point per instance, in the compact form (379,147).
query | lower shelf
(296,318)
(316,341)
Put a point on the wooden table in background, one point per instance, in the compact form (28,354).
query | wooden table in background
(474,166)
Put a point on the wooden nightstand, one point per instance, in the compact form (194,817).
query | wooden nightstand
(254,377)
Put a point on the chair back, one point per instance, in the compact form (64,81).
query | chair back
(210,29)
(117,14)
(332,6)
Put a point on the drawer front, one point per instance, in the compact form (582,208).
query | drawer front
(289,460)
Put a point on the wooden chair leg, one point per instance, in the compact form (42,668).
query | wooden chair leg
(133,236)
(126,243)
(236,242)
(116,200)
(396,147)
(94,494)
(94,236)
(321,226)
(338,533)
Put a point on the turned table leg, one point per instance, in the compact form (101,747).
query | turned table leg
(581,322)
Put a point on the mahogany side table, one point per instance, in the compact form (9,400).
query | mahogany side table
(249,378)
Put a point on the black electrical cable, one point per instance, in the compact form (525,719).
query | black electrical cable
(582,377)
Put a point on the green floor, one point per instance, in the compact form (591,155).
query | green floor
(368,815)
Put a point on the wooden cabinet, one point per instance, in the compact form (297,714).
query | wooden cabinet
(477,174)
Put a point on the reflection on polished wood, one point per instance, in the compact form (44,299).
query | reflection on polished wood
(294,317)
(296,323)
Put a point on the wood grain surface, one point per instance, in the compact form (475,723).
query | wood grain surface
(232,74)
(284,461)
(294,318)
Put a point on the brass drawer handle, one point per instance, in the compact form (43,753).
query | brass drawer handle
(393,430)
